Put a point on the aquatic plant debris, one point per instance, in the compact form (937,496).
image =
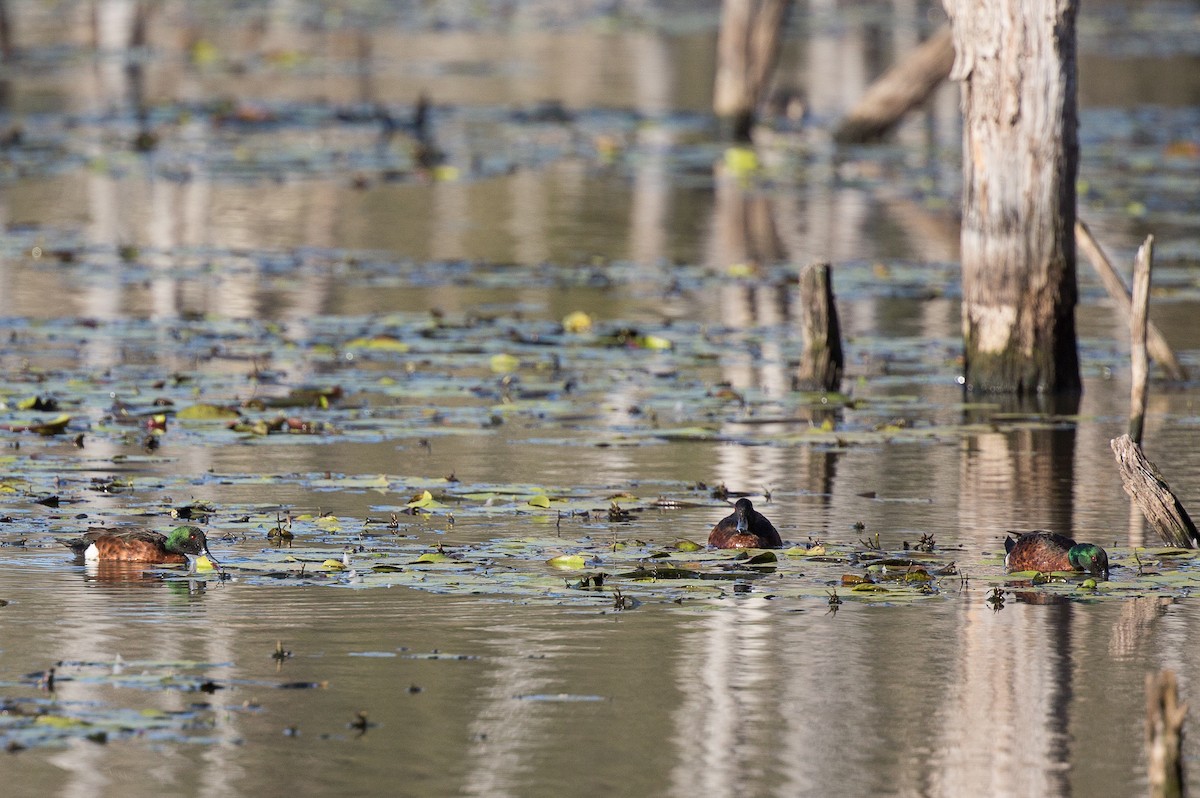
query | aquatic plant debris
(49,720)
(600,572)
(415,363)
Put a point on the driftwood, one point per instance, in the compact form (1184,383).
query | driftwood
(1138,318)
(1164,735)
(1156,343)
(822,362)
(1146,486)
(899,90)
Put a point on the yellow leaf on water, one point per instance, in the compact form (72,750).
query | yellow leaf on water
(577,322)
(53,427)
(424,500)
(333,565)
(504,363)
(540,500)
(741,161)
(654,342)
(205,564)
(570,562)
(59,722)
(206,412)
(379,343)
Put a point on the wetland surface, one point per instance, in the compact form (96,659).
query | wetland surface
(492,381)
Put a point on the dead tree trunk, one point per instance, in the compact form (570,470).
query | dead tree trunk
(902,88)
(1146,486)
(1016,61)
(821,363)
(747,49)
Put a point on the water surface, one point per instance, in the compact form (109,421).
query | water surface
(240,256)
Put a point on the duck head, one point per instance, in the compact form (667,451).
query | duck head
(1089,557)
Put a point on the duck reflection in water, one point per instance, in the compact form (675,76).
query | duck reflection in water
(744,528)
(138,575)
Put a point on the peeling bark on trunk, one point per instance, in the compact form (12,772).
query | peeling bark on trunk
(1016,61)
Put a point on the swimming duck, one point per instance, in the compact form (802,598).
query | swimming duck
(744,528)
(1046,551)
(141,545)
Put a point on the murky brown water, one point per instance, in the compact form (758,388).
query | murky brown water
(739,696)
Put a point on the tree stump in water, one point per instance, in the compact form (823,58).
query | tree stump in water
(822,362)
(1164,735)
(902,88)
(1016,62)
(1146,486)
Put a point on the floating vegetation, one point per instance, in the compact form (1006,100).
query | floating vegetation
(597,571)
(48,720)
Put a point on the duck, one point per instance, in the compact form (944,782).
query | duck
(141,545)
(744,528)
(1047,551)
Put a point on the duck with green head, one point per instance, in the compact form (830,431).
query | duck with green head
(1047,551)
(181,545)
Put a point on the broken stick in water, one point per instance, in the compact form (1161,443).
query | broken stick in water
(1138,317)
(1146,486)
(1157,344)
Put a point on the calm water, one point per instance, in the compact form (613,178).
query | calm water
(286,225)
